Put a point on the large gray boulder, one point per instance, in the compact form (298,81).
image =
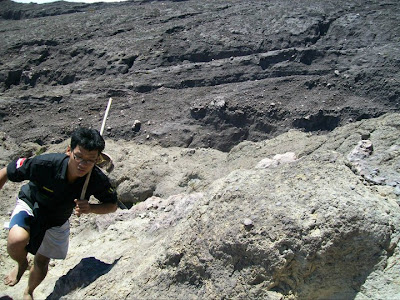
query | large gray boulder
(296,217)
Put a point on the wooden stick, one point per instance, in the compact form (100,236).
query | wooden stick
(85,185)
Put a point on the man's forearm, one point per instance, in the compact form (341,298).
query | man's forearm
(103,208)
(3,177)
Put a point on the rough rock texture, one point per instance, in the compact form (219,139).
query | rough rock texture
(256,144)
(196,73)
(300,216)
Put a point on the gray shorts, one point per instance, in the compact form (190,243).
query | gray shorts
(56,239)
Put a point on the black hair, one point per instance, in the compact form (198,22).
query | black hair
(87,138)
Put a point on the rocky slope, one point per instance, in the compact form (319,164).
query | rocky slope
(267,157)
(196,73)
(300,216)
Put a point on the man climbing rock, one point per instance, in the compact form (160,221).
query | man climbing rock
(39,223)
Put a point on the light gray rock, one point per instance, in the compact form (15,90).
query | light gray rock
(309,228)
(276,160)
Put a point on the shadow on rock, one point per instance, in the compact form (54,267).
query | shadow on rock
(83,274)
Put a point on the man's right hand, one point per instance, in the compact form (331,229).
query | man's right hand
(82,207)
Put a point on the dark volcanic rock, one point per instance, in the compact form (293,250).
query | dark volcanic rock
(196,73)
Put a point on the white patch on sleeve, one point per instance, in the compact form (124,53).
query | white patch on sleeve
(20,162)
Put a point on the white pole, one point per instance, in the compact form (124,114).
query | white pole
(85,185)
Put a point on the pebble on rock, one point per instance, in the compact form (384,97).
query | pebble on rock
(248,223)
(136,125)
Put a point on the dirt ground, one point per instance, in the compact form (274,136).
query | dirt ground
(195,74)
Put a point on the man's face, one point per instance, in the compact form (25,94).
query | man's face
(81,161)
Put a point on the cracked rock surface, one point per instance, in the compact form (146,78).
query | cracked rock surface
(255,143)
(299,216)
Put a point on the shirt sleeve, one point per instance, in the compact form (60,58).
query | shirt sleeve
(19,170)
(32,169)
(103,190)
(108,195)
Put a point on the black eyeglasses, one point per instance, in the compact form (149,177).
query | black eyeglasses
(80,160)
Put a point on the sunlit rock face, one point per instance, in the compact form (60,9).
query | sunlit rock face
(300,216)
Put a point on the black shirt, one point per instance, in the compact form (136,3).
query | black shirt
(49,187)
